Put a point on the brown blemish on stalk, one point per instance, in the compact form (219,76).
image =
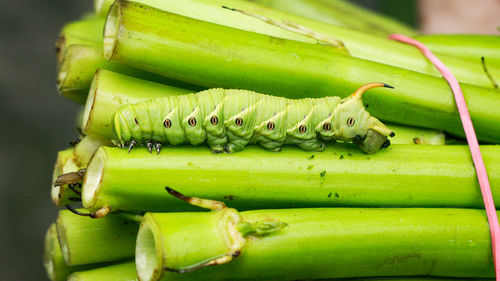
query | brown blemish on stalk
(310,167)
(398,259)
(229,197)
(488,74)
(323,173)
(200,202)
(311,157)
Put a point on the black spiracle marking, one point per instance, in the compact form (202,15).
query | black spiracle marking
(167,123)
(327,126)
(192,121)
(238,122)
(302,129)
(270,126)
(214,120)
(350,121)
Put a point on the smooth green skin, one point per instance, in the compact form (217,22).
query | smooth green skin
(118,272)
(346,119)
(359,44)
(86,241)
(80,63)
(353,242)
(466,46)
(342,175)
(109,91)
(53,260)
(65,163)
(126,272)
(341,13)
(243,60)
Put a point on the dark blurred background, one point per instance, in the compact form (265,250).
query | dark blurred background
(37,122)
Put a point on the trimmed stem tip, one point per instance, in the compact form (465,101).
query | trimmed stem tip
(111,30)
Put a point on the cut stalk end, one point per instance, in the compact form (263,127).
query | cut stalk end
(89,104)
(93,178)
(64,164)
(63,242)
(49,255)
(147,260)
(111,30)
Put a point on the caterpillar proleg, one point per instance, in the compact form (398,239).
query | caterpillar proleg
(228,120)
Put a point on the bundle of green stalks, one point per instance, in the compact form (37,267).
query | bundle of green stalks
(411,211)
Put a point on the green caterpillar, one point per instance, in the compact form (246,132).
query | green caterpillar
(228,120)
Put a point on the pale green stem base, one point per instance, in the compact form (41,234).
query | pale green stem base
(86,241)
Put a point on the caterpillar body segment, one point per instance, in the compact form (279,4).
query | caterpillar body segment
(228,120)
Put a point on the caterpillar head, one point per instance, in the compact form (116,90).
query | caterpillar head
(352,123)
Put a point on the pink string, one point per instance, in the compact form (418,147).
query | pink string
(482,176)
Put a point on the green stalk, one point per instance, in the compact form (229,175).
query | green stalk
(183,48)
(80,64)
(109,91)
(466,46)
(53,260)
(87,31)
(341,13)
(65,163)
(342,175)
(118,272)
(86,241)
(127,272)
(359,44)
(315,244)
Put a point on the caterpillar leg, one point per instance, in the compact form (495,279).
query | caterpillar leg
(312,145)
(233,147)
(272,145)
(216,143)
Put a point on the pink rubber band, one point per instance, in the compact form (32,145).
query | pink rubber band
(482,176)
